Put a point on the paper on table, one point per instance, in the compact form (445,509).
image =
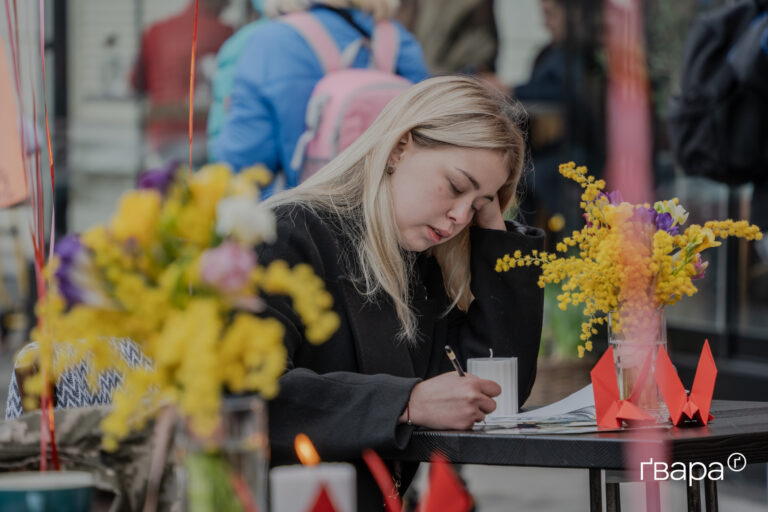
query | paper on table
(578,407)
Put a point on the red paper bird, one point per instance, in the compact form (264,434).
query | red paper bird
(611,410)
(446,492)
(681,406)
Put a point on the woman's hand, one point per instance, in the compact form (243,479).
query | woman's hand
(490,217)
(450,402)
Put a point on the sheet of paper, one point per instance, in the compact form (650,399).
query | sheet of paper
(13,185)
(541,429)
(576,409)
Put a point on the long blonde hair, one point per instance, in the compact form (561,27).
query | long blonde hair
(380,9)
(354,187)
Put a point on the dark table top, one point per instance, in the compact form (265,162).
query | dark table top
(738,427)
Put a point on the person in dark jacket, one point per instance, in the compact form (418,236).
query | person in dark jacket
(405,227)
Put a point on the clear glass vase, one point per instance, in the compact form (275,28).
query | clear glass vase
(631,349)
(228,470)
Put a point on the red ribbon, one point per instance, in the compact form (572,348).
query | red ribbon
(37,230)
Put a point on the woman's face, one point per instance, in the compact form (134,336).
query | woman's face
(436,191)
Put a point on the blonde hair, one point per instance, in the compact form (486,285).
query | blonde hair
(354,187)
(379,9)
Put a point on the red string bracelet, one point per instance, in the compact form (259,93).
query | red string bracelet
(408,414)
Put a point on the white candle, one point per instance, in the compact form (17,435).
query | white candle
(503,371)
(295,488)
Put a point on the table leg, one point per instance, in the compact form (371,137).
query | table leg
(612,497)
(694,497)
(595,490)
(710,495)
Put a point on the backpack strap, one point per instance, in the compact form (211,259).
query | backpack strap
(318,38)
(386,42)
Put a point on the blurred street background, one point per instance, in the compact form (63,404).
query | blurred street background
(107,126)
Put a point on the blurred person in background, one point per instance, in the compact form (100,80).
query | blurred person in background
(161,73)
(457,36)
(547,79)
(278,70)
(544,97)
(226,61)
(561,112)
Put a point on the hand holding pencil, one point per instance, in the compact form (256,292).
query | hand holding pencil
(451,401)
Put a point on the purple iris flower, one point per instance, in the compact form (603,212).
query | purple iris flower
(67,249)
(158,179)
(664,221)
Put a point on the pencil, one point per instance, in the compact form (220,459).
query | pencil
(454,361)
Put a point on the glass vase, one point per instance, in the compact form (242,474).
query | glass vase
(632,346)
(226,471)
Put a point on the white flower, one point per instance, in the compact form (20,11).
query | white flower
(243,218)
(678,213)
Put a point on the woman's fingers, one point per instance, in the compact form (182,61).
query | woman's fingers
(489,387)
(487,405)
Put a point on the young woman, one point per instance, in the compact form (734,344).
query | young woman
(405,227)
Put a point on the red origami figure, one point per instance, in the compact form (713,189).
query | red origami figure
(681,406)
(610,409)
(446,492)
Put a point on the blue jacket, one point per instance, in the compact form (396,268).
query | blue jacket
(226,60)
(273,81)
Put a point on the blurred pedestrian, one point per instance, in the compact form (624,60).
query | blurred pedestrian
(162,73)
(278,71)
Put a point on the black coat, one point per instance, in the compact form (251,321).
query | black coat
(348,393)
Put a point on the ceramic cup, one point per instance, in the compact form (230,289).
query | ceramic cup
(52,491)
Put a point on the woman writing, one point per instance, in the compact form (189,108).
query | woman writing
(405,227)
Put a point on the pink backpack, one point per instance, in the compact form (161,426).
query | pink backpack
(345,101)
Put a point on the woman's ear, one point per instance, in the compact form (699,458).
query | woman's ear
(405,142)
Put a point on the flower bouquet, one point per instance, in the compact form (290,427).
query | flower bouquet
(632,260)
(628,261)
(175,272)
